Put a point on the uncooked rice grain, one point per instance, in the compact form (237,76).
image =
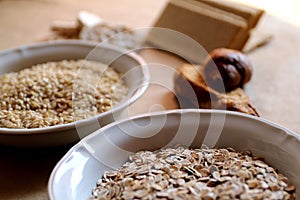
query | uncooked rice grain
(184,173)
(56,93)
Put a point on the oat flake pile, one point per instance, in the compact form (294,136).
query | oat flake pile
(205,174)
(55,93)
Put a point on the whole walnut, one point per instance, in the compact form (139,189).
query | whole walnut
(227,69)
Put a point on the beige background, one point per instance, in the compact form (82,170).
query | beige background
(274,88)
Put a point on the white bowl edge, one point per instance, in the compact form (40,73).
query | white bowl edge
(263,122)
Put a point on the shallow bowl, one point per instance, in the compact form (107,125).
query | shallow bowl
(108,148)
(132,66)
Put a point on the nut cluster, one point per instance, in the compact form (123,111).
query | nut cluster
(55,93)
(227,69)
(183,173)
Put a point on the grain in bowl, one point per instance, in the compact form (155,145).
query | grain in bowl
(185,173)
(54,93)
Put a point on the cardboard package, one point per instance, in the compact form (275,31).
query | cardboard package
(191,28)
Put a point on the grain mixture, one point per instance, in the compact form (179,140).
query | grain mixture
(55,93)
(182,173)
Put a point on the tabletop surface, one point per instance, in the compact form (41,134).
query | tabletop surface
(274,88)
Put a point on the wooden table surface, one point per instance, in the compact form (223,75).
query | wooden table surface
(274,88)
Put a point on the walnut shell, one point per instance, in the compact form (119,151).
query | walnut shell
(227,69)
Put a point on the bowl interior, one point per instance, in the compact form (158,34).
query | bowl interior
(76,174)
(134,70)
(127,63)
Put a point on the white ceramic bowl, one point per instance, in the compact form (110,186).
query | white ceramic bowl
(137,78)
(77,172)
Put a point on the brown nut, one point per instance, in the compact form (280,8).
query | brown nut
(227,69)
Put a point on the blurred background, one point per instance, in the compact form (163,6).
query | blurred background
(26,21)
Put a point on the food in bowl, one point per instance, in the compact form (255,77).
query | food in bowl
(54,93)
(185,173)
(108,148)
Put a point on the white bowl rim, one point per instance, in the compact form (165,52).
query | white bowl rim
(192,110)
(137,94)
(80,144)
